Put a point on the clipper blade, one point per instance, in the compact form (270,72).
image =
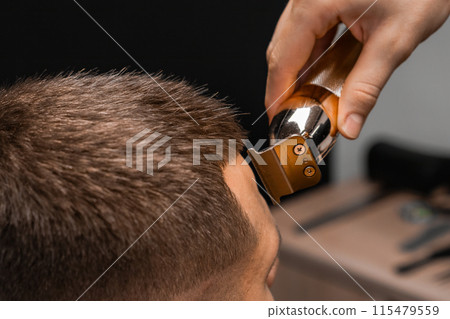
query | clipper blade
(286,167)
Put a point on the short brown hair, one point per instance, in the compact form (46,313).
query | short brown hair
(69,206)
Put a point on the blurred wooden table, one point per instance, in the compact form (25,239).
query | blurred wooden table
(367,244)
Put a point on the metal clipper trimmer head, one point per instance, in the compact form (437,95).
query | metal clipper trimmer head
(305,129)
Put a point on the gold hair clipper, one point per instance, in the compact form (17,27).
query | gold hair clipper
(305,129)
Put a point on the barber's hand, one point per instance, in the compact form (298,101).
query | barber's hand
(390,30)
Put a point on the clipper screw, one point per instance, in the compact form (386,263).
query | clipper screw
(309,171)
(299,149)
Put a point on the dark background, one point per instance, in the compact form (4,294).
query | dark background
(218,43)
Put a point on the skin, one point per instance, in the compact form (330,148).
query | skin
(258,276)
(389,30)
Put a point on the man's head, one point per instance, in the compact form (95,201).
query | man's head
(70,207)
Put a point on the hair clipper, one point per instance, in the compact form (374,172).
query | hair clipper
(305,129)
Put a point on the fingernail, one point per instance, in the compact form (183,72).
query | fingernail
(352,125)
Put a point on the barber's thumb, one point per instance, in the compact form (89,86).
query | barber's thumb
(378,59)
(359,95)
(352,122)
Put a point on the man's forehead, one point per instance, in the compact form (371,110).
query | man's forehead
(240,179)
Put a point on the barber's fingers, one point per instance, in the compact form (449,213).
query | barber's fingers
(285,58)
(380,56)
(300,25)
